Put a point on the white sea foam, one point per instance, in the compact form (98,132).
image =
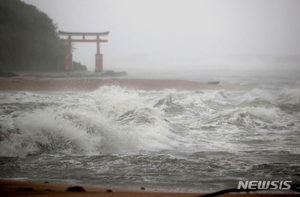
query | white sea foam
(99,127)
(123,121)
(166,138)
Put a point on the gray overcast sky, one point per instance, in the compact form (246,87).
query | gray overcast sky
(177,33)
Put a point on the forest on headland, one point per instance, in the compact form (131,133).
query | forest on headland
(28,39)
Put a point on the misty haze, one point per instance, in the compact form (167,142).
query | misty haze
(172,96)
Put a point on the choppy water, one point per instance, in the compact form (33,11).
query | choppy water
(191,141)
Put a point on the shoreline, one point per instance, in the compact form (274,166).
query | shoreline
(25,188)
(29,188)
(29,83)
(26,82)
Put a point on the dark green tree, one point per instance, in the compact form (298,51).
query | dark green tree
(28,39)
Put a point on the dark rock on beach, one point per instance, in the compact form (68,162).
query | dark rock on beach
(29,189)
(76,189)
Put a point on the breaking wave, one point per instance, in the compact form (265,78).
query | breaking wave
(117,120)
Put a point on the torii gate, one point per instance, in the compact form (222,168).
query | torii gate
(69,40)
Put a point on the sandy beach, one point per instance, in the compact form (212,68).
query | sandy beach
(26,82)
(27,188)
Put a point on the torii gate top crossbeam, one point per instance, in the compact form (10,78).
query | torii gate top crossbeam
(69,40)
(84,33)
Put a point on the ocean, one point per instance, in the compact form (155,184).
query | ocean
(169,140)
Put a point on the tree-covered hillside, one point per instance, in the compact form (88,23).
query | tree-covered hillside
(28,39)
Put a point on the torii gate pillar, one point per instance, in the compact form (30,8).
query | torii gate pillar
(99,58)
(99,63)
(68,58)
(69,40)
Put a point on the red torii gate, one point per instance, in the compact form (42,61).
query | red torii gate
(69,40)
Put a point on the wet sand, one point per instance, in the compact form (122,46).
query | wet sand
(27,188)
(29,83)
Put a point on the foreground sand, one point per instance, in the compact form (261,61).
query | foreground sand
(25,82)
(27,188)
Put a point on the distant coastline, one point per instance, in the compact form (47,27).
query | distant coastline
(87,82)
